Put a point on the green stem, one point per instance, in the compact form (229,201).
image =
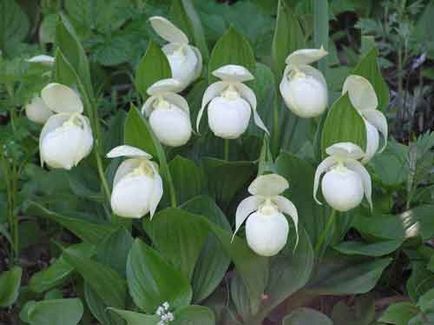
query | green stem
(226,150)
(173,201)
(325,232)
(276,130)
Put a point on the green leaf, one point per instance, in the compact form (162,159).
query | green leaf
(187,177)
(212,263)
(14,25)
(179,236)
(227,178)
(420,281)
(152,281)
(289,270)
(399,313)
(106,282)
(152,67)
(287,37)
(426,301)
(231,48)
(343,124)
(186,18)
(63,72)
(368,68)
(53,311)
(321,31)
(306,316)
(194,315)
(99,308)
(70,45)
(58,272)
(344,276)
(9,286)
(133,318)
(380,226)
(372,249)
(92,233)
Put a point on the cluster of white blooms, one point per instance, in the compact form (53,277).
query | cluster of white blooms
(164,313)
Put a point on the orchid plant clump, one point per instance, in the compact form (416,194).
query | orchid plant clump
(166,217)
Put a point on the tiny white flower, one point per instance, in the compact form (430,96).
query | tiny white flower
(303,87)
(345,180)
(137,185)
(66,137)
(230,103)
(266,226)
(185,60)
(364,99)
(168,113)
(37,111)
(43,59)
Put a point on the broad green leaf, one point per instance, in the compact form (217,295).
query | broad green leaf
(362,311)
(343,124)
(194,315)
(212,263)
(376,249)
(14,25)
(287,38)
(58,272)
(113,251)
(179,236)
(290,270)
(419,221)
(380,226)
(98,276)
(344,276)
(368,68)
(99,308)
(420,281)
(187,177)
(10,282)
(92,233)
(186,18)
(399,313)
(70,45)
(152,67)
(152,281)
(306,316)
(227,178)
(240,298)
(53,311)
(133,318)
(430,265)
(231,48)
(426,301)
(63,72)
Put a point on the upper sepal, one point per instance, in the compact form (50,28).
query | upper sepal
(168,31)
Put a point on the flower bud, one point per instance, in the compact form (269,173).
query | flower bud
(65,140)
(37,111)
(266,233)
(305,95)
(342,189)
(228,116)
(137,185)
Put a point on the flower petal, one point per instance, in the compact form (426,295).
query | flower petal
(178,101)
(127,151)
(250,96)
(157,194)
(232,72)
(362,94)
(168,30)
(61,99)
(377,119)
(288,208)
(244,209)
(53,122)
(43,59)
(364,175)
(199,64)
(164,86)
(345,150)
(322,168)
(148,106)
(305,56)
(212,91)
(268,185)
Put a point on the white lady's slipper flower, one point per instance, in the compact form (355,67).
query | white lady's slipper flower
(266,226)
(37,111)
(168,113)
(345,180)
(137,185)
(364,99)
(43,59)
(66,137)
(230,103)
(303,87)
(185,60)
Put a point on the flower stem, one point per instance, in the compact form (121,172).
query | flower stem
(226,153)
(328,229)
